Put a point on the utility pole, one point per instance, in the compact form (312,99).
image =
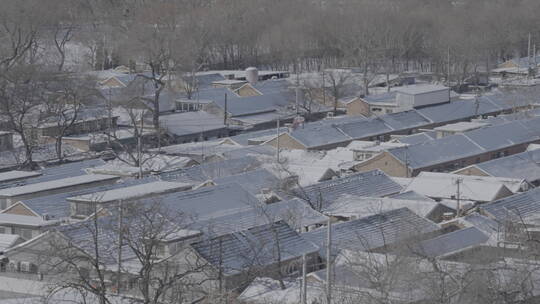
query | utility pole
(459,180)
(448,75)
(297,89)
(225,111)
(119,270)
(220,273)
(329,263)
(303,296)
(406,161)
(277,141)
(323,88)
(529,56)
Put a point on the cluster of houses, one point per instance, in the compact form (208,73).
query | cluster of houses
(266,208)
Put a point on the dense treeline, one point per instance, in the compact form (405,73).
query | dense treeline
(191,35)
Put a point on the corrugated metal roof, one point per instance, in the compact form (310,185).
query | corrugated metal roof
(450,242)
(7,240)
(83,235)
(421,89)
(372,183)
(130,192)
(374,231)
(56,184)
(417,138)
(443,186)
(211,201)
(458,110)
(484,223)
(410,195)
(57,172)
(295,212)
(253,181)
(405,120)
(515,207)
(317,134)
(365,128)
(438,151)
(189,123)
(525,165)
(385,97)
(213,170)
(56,207)
(506,135)
(254,247)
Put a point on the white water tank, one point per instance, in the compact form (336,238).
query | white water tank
(252,75)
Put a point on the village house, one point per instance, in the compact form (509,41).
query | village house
(400,99)
(472,189)
(85,205)
(373,183)
(373,233)
(458,128)
(457,151)
(525,165)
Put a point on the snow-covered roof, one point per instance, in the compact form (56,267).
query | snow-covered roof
(461,126)
(24,220)
(373,146)
(253,181)
(451,242)
(471,143)
(7,240)
(374,231)
(295,212)
(254,248)
(353,206)
(444,186)
(371,183)
(55,172)
(525,165)
(210,201)
(57,207)
(213,170)
(517,207)
(56,184)
(15,175)
(421,89)
(188,123)
(131,192)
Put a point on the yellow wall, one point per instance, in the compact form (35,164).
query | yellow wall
(384,162)
(286,142)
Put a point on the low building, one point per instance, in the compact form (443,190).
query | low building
(193,126)
(373,233)
(446,186)
(458,128)
(416,96)
(377,104)
(271,249)
(373,183)
(363,150)
(525,165)
(457,151)
(10,196)
(85,205)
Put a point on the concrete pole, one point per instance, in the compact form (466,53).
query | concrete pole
(304,281)
(329,263)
